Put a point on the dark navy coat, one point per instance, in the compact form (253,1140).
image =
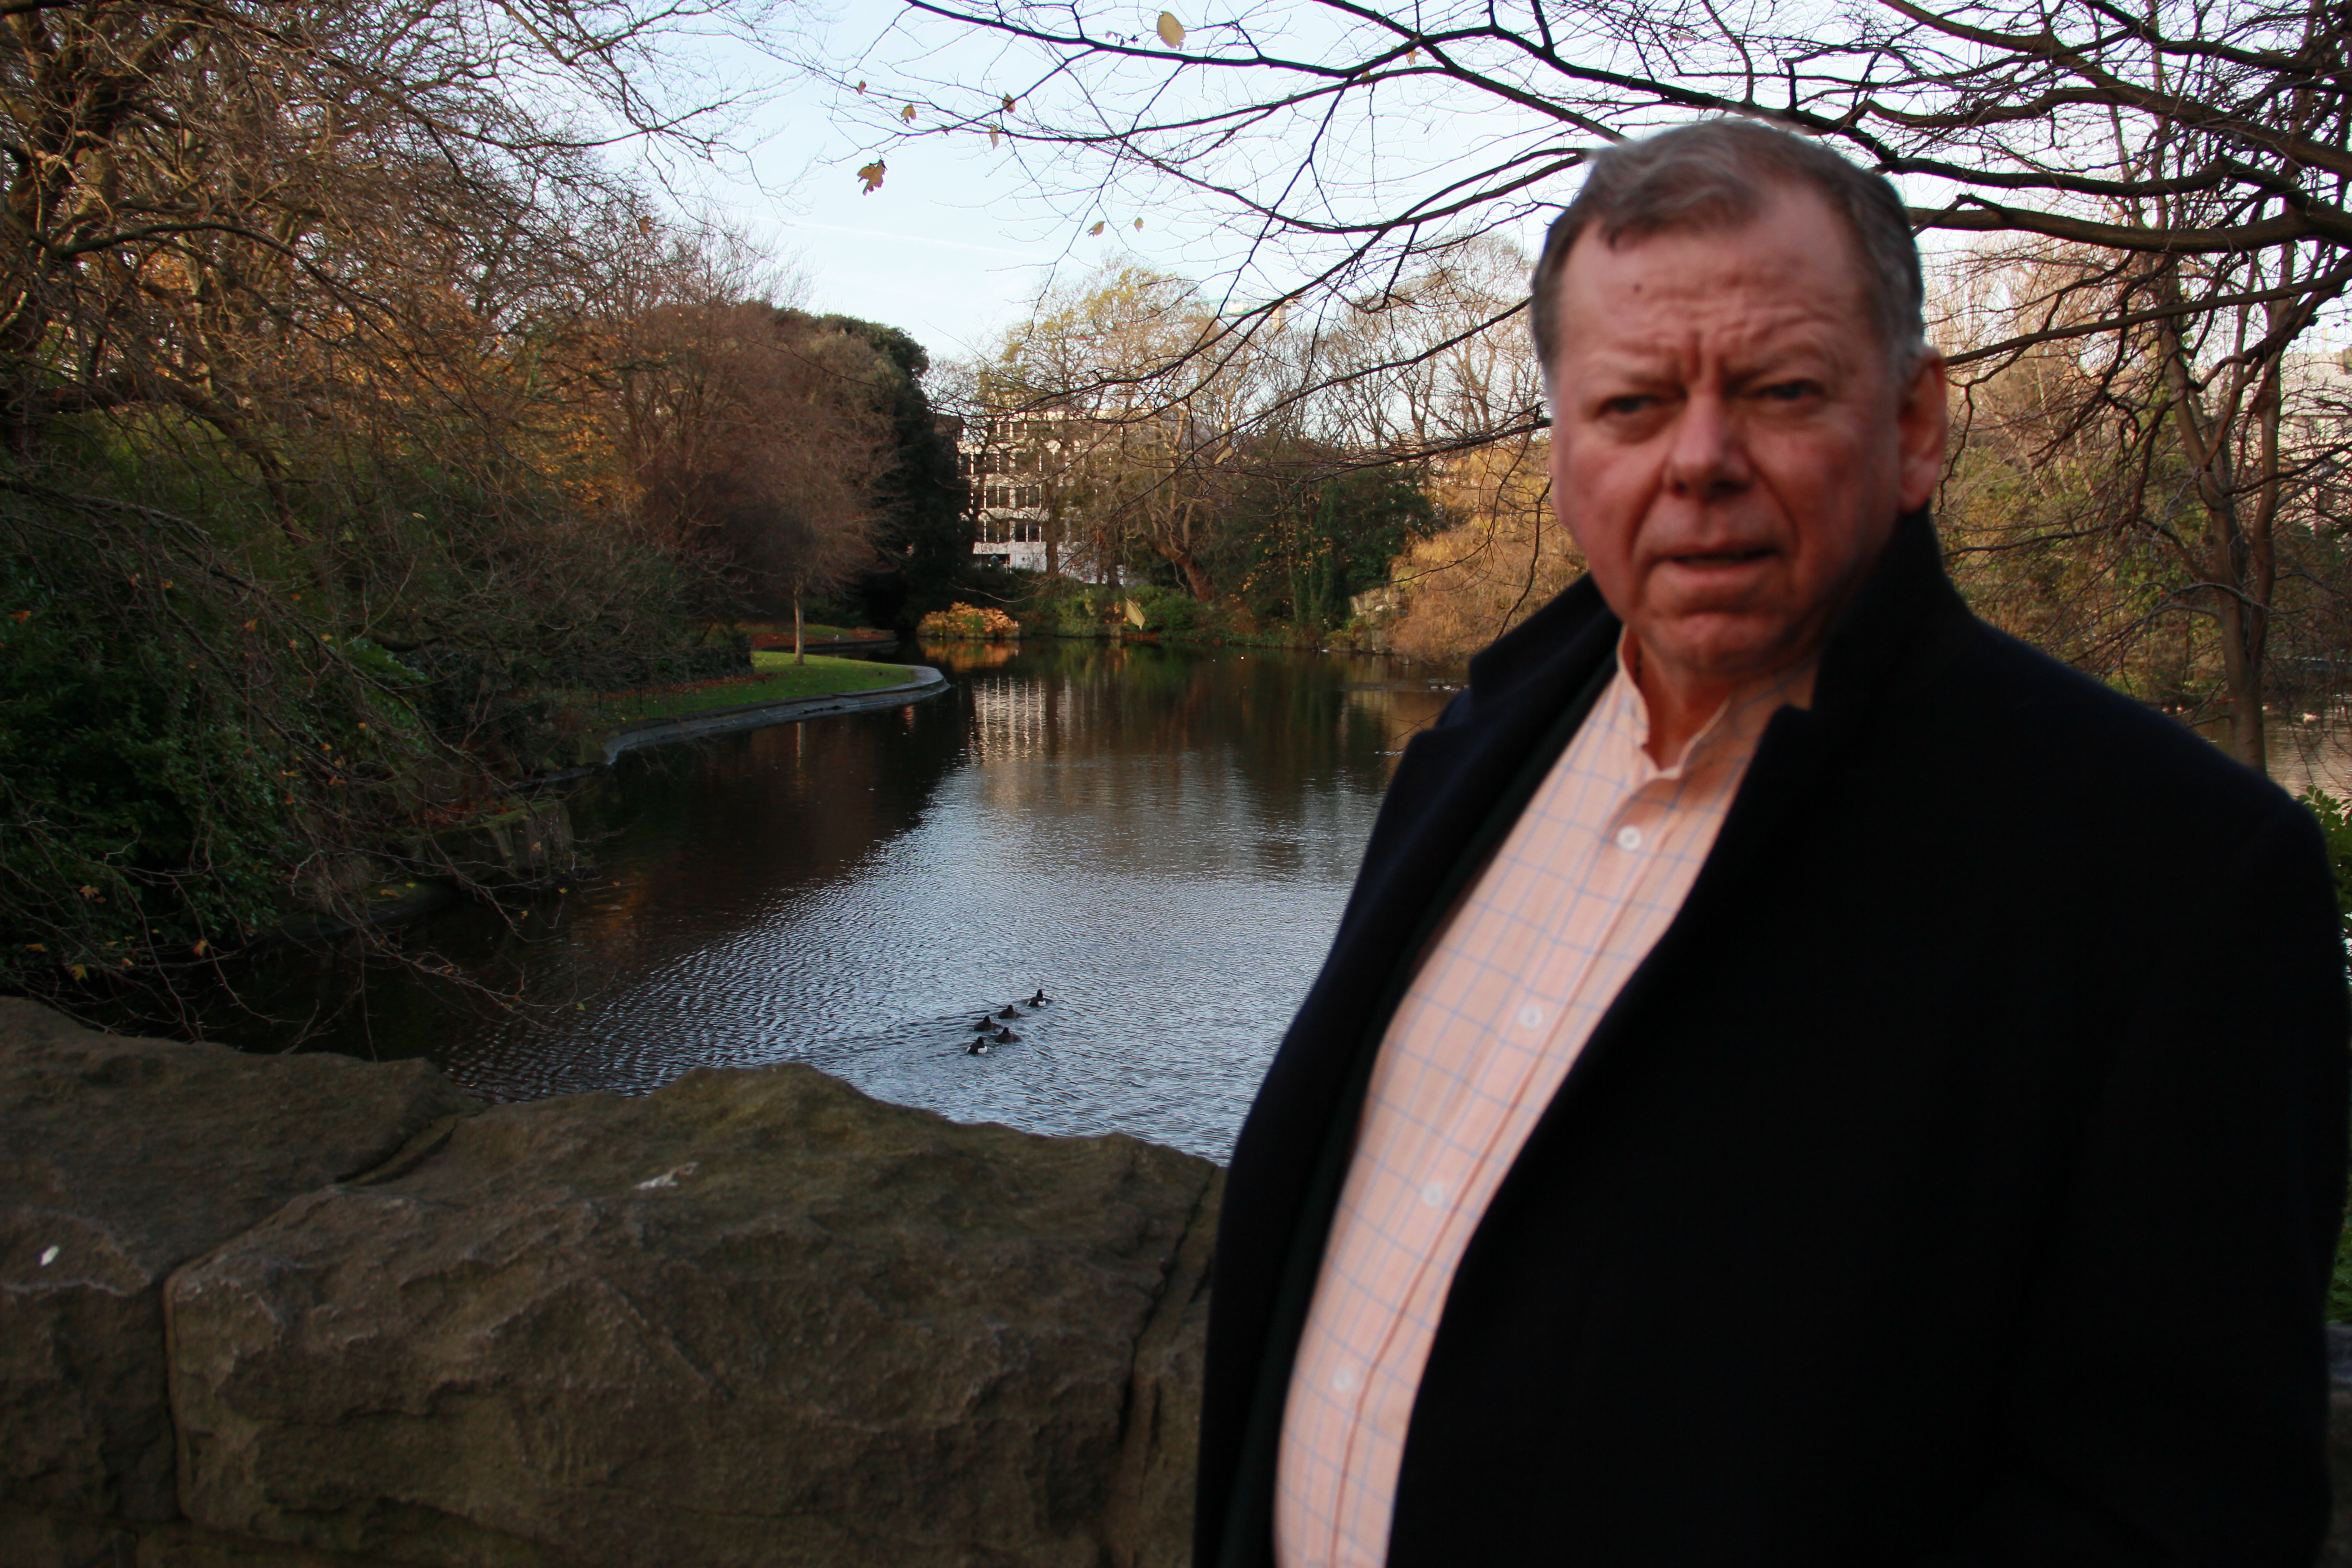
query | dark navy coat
(1955,1184)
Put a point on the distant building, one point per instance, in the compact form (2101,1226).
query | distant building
(1019,469)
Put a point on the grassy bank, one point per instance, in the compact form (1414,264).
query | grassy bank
(776,679)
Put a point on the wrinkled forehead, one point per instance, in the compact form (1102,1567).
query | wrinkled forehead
(1789,272)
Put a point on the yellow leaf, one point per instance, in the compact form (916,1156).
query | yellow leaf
(250,624)
(1171,31)
(908,114)
(1096,229)
(87,891)
(200,945)
(78,971)
(872,175)
(35,947)
(1412,54)
(1139,226)
(1009,101)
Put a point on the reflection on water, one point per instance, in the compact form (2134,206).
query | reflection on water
(1160,837)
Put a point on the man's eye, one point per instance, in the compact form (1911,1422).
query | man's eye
(1792,391)
(1626,403)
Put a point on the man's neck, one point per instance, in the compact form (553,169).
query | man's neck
(1681,703)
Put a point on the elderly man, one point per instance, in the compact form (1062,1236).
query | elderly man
(1803,1079)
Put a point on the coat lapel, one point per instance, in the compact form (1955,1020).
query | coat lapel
(1460,787)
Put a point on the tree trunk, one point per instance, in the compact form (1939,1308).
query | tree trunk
(800,647)
(2238,578)
(1196,578)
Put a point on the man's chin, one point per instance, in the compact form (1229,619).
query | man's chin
(1722,647)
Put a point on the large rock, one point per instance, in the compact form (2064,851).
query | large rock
(122,1159)
(754,1318)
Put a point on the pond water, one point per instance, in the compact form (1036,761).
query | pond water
(1161,838)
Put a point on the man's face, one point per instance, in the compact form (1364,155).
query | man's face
(1728,448)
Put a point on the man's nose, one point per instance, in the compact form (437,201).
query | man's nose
(1708,458)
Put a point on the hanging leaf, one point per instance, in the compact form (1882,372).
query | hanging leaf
(872,175)
(995,136)
(908,114)
(1009,101)
(861,87)
(1139,226)
(1412,54)
(1171,31)
(1096,229)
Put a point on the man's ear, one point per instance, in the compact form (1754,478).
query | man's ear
(1923,423)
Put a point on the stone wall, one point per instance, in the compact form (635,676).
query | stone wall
(314,1312)
(310,1310)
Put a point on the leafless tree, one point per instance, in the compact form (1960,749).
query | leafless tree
(2198,153)
(757,436)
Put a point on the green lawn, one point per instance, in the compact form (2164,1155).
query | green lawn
(778,679)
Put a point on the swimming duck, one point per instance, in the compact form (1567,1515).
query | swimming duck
(1040,999)
(977,1048)
(1004,1037)
(985,1024)
(1010,1011)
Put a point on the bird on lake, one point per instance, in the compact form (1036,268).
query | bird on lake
(1010,1011)
(985,1024)
(1040,999)
(1004,1037)
(978,1047)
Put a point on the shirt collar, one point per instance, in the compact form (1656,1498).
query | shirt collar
(1734,729)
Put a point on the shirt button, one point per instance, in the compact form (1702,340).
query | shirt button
(1433,1193)
(1629,839)
(1532,1017)
(1344,1381)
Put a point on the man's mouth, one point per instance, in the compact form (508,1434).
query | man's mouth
(1716,560)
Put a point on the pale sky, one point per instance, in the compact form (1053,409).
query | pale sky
(958,239)
(951,248)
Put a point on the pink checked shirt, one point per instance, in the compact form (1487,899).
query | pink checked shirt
(1581,889)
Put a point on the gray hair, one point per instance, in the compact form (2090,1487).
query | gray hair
(1715,174)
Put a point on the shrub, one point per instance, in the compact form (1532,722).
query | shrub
(968,623)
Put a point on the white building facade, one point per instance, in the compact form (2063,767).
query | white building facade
(1018,467)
